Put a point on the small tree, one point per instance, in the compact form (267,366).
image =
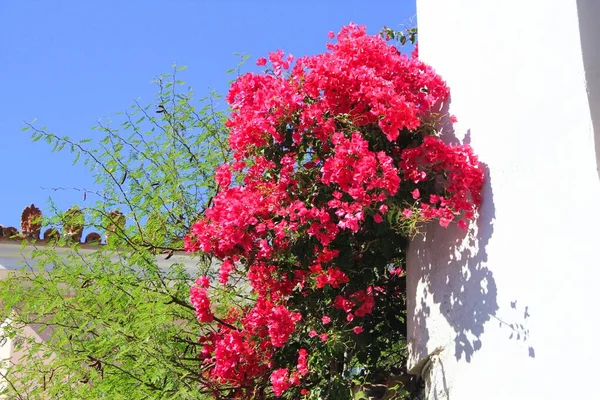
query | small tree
(118,325)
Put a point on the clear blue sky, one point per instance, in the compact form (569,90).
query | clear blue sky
(70,63)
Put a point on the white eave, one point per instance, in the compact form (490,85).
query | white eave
(13,256)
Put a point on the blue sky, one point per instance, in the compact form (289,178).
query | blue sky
(70,63)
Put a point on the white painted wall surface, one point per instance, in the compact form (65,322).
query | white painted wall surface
(514,307)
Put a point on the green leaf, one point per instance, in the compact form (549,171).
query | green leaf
(361,396)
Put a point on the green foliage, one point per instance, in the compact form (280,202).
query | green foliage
(117,319)
(403,37)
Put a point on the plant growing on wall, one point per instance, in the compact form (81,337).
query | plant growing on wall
(336,163)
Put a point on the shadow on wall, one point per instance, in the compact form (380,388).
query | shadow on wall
(453,271)
(448,270)
(589,31)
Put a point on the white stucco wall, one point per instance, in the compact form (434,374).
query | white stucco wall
(514,307)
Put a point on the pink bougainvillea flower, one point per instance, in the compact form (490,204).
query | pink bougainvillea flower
(203,281)
(302,362)
(261,61)
(201,303)
(280,381)
(377,218)
(223,176)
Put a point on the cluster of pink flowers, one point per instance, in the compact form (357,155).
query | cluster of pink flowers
(462,178)
(325,145)
(201,303)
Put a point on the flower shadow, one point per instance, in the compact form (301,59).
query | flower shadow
(452,273)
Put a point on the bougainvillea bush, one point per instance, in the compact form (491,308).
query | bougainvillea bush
(336,164)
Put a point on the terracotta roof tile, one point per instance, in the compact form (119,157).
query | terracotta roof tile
(31,227)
